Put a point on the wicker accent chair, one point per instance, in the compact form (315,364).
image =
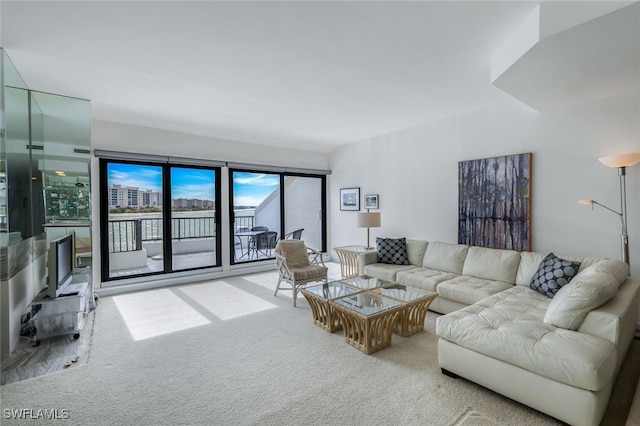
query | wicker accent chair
(298,265)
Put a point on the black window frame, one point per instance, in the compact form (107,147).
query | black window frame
(166,216)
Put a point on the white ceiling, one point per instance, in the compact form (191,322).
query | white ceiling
(308,75)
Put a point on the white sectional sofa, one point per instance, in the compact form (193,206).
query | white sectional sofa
(559,355)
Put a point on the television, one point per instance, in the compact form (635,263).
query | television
(61,256)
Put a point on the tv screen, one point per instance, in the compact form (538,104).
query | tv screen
(61,263)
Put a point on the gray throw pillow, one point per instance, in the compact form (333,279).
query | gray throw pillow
(392,251)
(552,274)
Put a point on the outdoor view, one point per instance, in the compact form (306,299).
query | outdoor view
(135,203)
(136,227)
(256,206)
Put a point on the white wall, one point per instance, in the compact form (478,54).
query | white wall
(415,172)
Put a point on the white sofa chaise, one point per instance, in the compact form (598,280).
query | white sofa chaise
(559,355)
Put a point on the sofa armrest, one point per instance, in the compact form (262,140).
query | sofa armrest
(367,258)
(616,320)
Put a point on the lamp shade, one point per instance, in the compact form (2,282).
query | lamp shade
(621,160)
(585,201)
(369,220)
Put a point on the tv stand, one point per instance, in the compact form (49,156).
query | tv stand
(62,315)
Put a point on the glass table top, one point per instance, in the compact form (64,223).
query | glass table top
(332,290)
(367,303)
(366,282)
(404,293)
(356,249)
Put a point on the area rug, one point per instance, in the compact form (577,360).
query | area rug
(231,353)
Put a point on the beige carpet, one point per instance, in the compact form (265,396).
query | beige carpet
(228,352)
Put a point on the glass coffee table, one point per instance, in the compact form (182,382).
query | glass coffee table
(368,319)
(368,309)
(417,302)
(319,296)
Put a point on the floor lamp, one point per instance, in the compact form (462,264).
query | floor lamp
(368,220)
(621,162)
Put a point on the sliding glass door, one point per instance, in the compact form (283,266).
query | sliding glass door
(269,206)
(157,218)
(304,209)
(193,218)
(255,213)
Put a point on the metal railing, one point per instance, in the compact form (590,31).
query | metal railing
(129,234)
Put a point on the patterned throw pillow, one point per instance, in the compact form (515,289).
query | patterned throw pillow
(552,274)
(392,251)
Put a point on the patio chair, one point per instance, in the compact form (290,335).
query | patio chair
(264,243)
(295,235)
(260,228)
(298,265)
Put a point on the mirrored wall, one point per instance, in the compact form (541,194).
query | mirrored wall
(45,148)
(45,161)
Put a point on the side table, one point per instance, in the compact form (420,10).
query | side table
(350,259)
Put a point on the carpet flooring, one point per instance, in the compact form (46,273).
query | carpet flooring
(228,352)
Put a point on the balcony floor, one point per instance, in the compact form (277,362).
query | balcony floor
(185,261)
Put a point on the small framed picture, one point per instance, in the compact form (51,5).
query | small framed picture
(350,199)
(371,201)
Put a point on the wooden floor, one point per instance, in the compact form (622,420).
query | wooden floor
(51,355)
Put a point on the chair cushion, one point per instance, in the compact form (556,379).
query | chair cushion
(294,251)
(392,251)
(309,272)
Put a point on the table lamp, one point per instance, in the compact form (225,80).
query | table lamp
(368,220)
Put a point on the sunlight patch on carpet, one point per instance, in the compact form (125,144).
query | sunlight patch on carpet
(156,312)
(268,281)
(226,301)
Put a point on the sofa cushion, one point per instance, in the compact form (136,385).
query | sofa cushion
(469,290)
(491,264)
(386,272)
(445,257)
(553,273)
(529,262)
(424,278)
(392,251)
(415,251)
(589,289)
(508,326)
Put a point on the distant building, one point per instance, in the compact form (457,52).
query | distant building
(136,198)
(133,197)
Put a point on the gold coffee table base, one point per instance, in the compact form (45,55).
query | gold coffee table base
(324,315)
(368,334)
(411,319)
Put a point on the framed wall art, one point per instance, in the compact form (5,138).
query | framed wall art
(494,202)
(371,201)
(350,199)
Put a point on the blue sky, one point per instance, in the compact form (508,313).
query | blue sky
(250,189)
(185,182)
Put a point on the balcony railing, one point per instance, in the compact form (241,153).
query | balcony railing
(130,234)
